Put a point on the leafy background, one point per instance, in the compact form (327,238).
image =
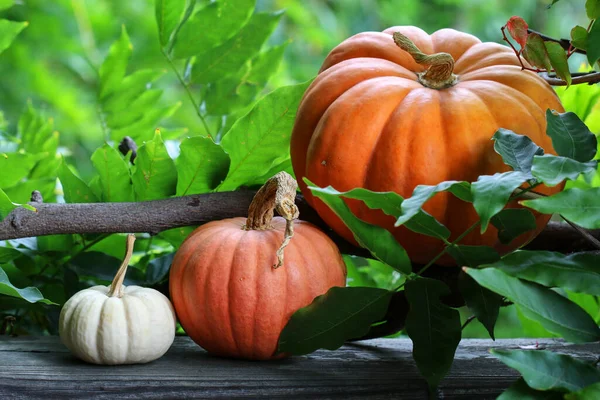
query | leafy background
(81,75)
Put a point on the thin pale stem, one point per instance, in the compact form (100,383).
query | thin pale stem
(116,287)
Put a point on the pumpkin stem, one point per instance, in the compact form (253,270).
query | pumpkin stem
(440,74)
(116,287)
(278,193)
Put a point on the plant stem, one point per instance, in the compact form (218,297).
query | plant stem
(116,287)
(467,322)
(188,91)
(587,236)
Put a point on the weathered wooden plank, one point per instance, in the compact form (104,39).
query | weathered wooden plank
(40,367)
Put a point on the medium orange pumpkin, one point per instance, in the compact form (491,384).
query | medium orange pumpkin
(227,288)
(375,118)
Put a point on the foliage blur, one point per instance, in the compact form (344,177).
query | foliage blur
(54,62)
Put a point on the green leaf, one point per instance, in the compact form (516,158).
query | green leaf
(379,241)
(391,204)
(4,4)
(176,236)
(155,176)
(520,391)
(30,294)
(483,303)
(262,136)
(135,110)
(558,60)
(21,193)
(114,67)
(15,167)
(212,26)
(168,14)
(570,136)
(512,223)
(131,87)
(114,174)
(158,269)
(473,256)
(593,44)
(6,206)
(433,327)
(556,313)
(545,370)
(74,189)
(142,129)
(592,9)
(552,170)
(422,193)
(371,273)
(229,57)
(237,91)
(104,267)
(517,151)
(535,52)
(9,31)
(579,37)
(578,272)
(492,192)
(8,254)
(342,313)
(587,393)
(580,206)
(201,166)
(37,133)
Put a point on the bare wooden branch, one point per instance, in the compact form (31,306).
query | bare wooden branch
(589,78)
(159,215)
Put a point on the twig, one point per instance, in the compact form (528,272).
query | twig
(467,322)
(584,233)
(589,78)
(564,43)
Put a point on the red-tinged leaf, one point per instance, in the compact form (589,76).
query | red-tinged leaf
(517,27)
(535,52)
(558,59)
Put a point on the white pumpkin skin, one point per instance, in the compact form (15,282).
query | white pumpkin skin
(138,327)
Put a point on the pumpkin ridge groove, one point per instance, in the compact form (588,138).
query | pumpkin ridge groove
(127,326)
(229,283)
(99,332)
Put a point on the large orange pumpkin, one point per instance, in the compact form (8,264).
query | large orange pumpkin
(227,294)
(375,118)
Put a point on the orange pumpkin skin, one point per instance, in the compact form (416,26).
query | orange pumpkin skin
(229,298)
(366,121)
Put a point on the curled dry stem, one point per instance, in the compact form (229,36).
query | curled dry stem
(116,287)
(278,193)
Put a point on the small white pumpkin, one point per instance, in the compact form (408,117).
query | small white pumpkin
(117,324)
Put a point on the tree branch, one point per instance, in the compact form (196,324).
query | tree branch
(589,78)
(159,215)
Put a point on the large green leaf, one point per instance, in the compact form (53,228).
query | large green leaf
(135,110)
(212,26)
(558,59)
(155,176)
(8,254)
(74,189)
(114,67)
(262,136)
(379,241)
(158,269)
(21,193)
(482,302)
(593,44)
(201,166)
(391,204)
(552,170)
(29,294)
(433,327)
(331,319)
(590,392)
(512,223)
(422,193)
(580,206)
(131,88)
(6,205)
(15,167)
(516,150)
(114,174)
(104,267)
(168,14)
(37,132)
(570,136)
(520,391)
(555,312)
(545,370)
(9,31)
(491,193)
(4,4)
(578,272)
(371,273)
(229,57)
(579,37)
(473,256)
(237,91)
(535,52)
(143,128)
